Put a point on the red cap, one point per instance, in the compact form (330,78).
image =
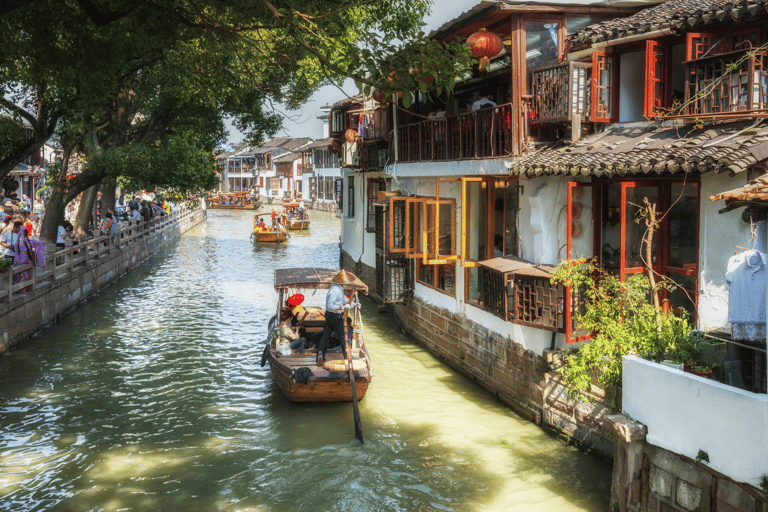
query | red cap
(295,300)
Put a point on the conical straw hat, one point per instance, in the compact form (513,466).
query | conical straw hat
(344,277)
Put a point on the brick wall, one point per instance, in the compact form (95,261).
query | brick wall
(523,380)
(37,308)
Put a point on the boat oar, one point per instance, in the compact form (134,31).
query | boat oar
(358,424)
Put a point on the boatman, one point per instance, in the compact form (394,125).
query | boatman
(335,305)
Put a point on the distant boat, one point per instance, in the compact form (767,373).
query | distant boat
(267,234)
(298,220)
(297,374)
(232,201)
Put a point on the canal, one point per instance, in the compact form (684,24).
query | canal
(150,397)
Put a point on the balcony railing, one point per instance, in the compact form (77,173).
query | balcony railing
(734,82)
(373,154)
(483,133)
(521,292)
(560,93)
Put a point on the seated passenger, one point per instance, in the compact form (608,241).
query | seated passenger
(289,338)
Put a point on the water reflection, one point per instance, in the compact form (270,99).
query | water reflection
(150,397)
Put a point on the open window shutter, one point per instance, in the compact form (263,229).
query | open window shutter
(657,78)
(581,246)
(465,222)
(604,74)
(700,45)
(441,236)
(415,228)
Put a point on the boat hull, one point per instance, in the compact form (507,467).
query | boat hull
(270,236)
(298,224)
(327,385)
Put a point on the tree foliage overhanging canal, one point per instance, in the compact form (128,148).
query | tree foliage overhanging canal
(141,87)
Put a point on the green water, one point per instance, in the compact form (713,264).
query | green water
(150,398)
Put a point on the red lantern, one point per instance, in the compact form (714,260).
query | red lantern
(350,135)
(484,46)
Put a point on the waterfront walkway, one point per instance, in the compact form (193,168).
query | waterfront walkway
(80,269)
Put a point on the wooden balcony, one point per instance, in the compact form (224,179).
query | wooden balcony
(520,292)
(731,84)
(373,154)
(560,93)
(484,133)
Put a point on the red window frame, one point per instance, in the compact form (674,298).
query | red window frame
(658,78)
(663,237)
(699,44)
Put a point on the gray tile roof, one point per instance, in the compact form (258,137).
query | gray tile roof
(294,144)
(647,148)
(675,15)
(348,102)
(754,193)
(288,157)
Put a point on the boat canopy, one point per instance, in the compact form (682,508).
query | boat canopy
(310,277)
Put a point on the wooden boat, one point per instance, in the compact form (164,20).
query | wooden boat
(267,235)
(297,374)
(295,223)
(232,201)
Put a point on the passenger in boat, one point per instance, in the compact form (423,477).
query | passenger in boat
(289,338)
(336,303)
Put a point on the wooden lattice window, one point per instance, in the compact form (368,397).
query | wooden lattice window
(727,83)
(375,185)
(604,90)
(699,45)
(658,78)
(351,197)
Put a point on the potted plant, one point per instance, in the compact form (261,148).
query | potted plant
(702,370)
(5,264)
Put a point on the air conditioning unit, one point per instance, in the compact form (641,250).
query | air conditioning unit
(350,155)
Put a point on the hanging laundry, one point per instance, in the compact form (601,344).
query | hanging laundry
(363,126)
(747,275)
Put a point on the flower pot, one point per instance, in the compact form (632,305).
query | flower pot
(687,367)
(706,374)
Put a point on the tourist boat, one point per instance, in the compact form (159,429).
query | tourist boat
(295,222)
(232,201)
(267,235)
(297,374)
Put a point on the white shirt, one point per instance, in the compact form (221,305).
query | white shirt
(747,272)
(60,235)
(482,102)
(10,238)
(136,215)
(335,300)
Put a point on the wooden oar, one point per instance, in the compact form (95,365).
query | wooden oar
(358,424)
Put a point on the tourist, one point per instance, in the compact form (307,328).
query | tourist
(24,255)
(289,339)
(135,215)
(28,225)
(9,240)
(166,206)
(64,233)
(336,303)
(483,102)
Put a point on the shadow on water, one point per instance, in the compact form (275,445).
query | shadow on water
(151,397)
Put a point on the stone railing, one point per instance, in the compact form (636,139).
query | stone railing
(77,254)
(80,269)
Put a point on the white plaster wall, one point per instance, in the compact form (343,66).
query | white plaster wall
(685,413)
(631,88)
(718,236)
(457,168)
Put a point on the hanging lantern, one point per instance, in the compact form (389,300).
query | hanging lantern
(484,46)
(350,135)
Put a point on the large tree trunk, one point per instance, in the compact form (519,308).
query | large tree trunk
(108,198)
(85,212)
(54,210)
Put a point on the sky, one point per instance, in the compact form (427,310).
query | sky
(305,122)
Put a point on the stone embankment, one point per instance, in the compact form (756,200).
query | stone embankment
(78,271)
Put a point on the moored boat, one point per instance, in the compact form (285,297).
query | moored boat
(297,374)
(232,201)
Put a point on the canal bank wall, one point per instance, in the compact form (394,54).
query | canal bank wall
(525,381)
(78,271)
